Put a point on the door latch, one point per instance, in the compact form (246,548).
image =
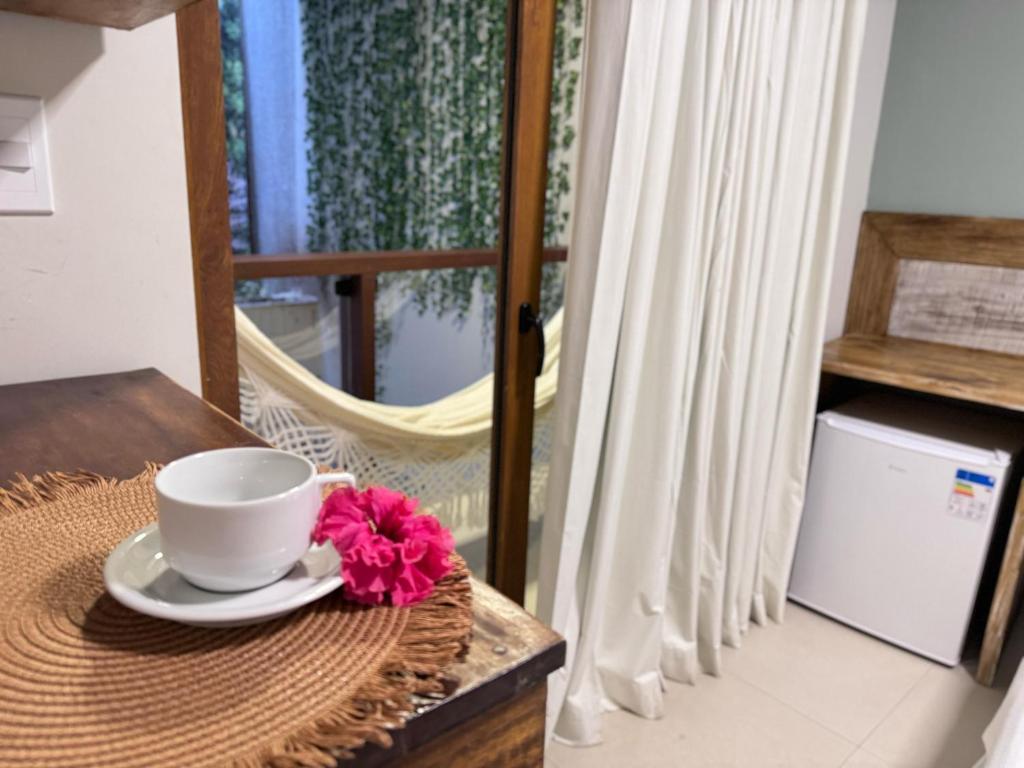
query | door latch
(529,321)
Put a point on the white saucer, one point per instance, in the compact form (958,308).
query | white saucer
(138,577)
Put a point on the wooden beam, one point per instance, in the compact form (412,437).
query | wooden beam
(873,283)
(202,108)
(255,267)
(119,14)
(1005,595)
(959,239)
(530,47)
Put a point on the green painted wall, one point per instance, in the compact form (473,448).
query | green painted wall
(950,135)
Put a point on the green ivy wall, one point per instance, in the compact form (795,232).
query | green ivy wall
(404,107)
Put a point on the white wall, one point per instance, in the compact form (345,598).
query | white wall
(951,139)
(105,283)
(429,358)
(867,107)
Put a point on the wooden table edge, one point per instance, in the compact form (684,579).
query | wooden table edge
(487,699)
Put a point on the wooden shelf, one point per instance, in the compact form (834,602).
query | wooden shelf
(974,375)
(120,14)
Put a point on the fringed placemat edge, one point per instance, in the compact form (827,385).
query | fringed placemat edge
(24,492)
(438,632)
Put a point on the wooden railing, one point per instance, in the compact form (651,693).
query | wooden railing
(358,287)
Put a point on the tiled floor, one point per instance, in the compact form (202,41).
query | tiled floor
(810,693)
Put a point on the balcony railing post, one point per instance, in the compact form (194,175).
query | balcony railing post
(358,339)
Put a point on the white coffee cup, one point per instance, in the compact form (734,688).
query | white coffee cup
(238,518)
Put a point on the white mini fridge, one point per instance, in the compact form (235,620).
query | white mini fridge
(901,502)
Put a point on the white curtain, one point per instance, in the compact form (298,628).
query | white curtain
(1004,736)
(714,135)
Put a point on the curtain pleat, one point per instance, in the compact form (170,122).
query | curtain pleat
(713,137)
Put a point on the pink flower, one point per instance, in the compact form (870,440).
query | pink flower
(437,542)
(368,570)
(342,520)
(387,550)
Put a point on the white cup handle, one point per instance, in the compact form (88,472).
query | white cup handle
(335,477)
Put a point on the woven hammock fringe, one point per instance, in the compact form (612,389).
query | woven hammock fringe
(438,631)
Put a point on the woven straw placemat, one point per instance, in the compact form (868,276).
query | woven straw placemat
(87,682)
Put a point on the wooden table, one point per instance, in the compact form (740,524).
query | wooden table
(971,375)
(114,424)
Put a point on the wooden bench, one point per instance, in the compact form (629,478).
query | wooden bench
(924,288)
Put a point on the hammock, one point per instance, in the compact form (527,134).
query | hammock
(438,452)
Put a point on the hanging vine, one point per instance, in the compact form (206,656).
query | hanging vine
(234,122)
(404,104)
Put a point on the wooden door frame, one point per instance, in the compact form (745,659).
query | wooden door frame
(528,68)
(202,112)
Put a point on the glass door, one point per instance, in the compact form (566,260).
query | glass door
(372,162)
(563,147)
